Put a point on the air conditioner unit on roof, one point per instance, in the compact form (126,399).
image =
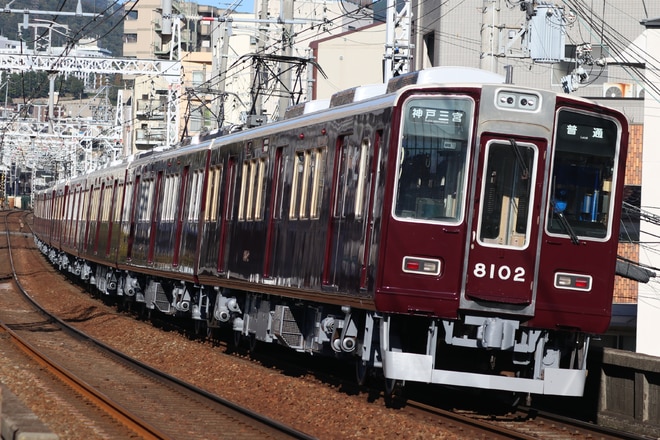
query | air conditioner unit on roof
(619,90)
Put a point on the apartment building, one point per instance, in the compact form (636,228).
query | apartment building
(228,60)
(188,38)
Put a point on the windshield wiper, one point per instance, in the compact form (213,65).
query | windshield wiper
(567,226)
(519,157)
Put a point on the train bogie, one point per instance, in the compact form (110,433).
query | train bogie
(452,234)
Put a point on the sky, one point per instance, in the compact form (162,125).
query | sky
(242,5)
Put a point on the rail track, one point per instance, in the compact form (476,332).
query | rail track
(146,402)
(176,410)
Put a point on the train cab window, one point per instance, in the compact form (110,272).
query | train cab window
(507,193)
(433,154)
(582,175)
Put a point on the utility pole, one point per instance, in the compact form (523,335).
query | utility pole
(262,38)
(267,68)
(287,51)
(398,48)
(490,13)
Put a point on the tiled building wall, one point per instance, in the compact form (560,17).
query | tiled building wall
(625,290)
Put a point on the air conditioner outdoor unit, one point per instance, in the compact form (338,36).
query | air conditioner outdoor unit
(619,90)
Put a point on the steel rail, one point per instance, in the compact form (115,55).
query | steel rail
(112,408)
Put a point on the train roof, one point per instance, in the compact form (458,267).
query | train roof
(431,76)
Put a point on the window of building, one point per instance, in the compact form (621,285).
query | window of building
(630,216)
(130,38)
(198,78)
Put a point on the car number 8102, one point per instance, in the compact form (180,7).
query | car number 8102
(504,272)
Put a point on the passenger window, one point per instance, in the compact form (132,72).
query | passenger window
(351,174)
(362,179)
(298,170)
(231,190)
(212,193)
(128,198)
(171,197)
(280,168)
(307,185)
(318,172)
(259,190)
(118,207)
(195,196)
(252,188)
(146,200)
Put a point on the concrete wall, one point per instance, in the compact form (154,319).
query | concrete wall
(630,392)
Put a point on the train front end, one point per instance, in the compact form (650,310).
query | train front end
(500,236)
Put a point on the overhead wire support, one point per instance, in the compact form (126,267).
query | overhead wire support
(398,49)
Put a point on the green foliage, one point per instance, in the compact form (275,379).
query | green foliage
(73,86)
(27,86)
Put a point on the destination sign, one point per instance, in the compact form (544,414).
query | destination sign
(436,115)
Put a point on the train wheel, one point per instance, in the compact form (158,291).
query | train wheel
(145,312)
(237,339)
(390,386)
(252,342)
(126,304)
(210,332)
(361,371)
(200,326)
(394,392)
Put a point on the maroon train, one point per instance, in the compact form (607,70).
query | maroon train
(445,227)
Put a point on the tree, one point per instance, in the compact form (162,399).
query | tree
(73,86)
(28,85)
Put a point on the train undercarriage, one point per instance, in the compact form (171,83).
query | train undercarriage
(476,351)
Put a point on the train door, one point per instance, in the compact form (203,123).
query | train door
(275,209)
(114,202)
(77,214)
(155,218)
(503,243)
(339,179)
(99,198)
(89,214)
(180,215)
(227,210)
(132,218)
(369,224)
(344,249)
